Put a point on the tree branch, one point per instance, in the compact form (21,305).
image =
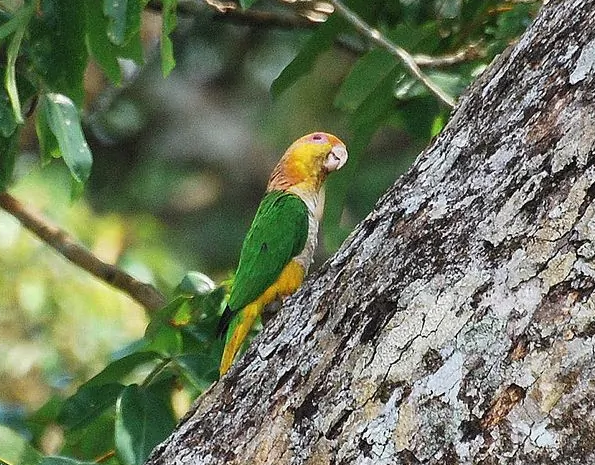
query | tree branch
(373,34)
(229,11)
(145,294)
(266,18)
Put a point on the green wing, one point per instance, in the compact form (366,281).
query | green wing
(278,233)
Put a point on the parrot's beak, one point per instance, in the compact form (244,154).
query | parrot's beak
(336,158)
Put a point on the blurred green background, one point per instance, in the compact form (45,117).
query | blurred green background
(180,164)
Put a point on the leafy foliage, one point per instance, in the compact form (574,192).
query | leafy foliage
(179,350)
(167,48)
(105,51)
(143,420)
(53,41)
(59,125)
(305,60)
(122,412)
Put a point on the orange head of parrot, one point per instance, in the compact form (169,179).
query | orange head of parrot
(307,162)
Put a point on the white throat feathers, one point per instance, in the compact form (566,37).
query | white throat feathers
(315,203)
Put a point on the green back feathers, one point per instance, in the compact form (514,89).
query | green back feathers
(278,233)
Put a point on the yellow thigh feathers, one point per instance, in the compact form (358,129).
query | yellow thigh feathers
(288,282)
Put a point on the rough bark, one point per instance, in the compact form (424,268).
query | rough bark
(456,324)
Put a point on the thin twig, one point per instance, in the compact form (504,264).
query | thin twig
(470,53)
(106,456)
(145,294)
(361,26)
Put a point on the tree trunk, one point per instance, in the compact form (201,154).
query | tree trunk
(456,324)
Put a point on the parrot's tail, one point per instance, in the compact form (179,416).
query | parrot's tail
(224,322)
(236,334)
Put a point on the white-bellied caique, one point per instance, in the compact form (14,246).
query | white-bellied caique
(279,246)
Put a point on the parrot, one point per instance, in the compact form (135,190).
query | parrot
(280,243)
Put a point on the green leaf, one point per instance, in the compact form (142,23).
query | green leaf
(105,51)
(117,369)
(123,19)
(164,315)
(63,120)
(418,116)
(513,22)
(168,24)
(438,124)
(368,72)
(8,151)
(58,460)
(38,421)
(245,4)
(195,283)
(165,340)
(422,38)
(88,404)
(8,122)
(10,82)
(143,420)
(92,441)
(303,63)
(18,20)
(205,311)
(209,305)
(57,46)
(200,369)
(76,189)
(206,299)
(48,143)
(15,449)
(115,11)
(375,106)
